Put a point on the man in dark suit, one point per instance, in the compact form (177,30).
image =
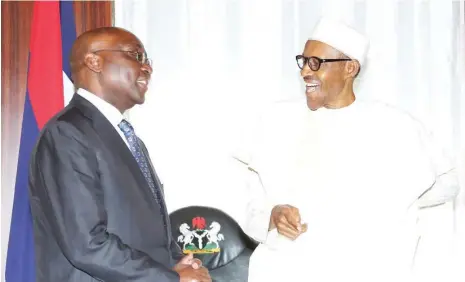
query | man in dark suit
(97,204)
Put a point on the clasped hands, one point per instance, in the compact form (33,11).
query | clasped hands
(190,269)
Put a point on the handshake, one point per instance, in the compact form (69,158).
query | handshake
(190,269)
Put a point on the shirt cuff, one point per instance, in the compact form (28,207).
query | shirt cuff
(259,223)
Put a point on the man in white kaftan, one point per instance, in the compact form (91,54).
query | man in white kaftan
(356,174)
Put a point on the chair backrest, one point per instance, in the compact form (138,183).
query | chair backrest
(210,234)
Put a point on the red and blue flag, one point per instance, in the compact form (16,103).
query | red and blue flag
(49,88)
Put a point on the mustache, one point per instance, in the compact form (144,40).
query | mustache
(310,78)
(144,77)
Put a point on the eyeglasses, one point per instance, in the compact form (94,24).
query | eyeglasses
(141,57)
(314,63)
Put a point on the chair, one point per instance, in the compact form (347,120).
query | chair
(216,239)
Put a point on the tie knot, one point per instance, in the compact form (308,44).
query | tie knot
(125,126)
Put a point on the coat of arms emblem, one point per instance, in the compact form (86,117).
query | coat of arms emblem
(199,239)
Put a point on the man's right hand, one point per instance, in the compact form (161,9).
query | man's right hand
(286,219)
(189,274)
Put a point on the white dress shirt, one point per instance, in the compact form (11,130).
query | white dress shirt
(113,115)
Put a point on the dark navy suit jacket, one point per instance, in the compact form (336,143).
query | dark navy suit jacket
(95,217)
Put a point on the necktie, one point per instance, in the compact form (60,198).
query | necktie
(142,161)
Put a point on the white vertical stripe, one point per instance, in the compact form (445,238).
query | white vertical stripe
(261,40)
(119,6)
(342,10)
(460,71)
(140,27)
(441,75)
(68,89)
(380,27)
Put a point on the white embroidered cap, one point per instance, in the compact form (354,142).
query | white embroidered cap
(342,37)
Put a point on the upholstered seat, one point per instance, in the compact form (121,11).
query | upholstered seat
(216,239)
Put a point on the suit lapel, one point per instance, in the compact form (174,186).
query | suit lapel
(112,139)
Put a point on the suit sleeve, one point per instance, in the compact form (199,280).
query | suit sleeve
(176,252)
(65,181)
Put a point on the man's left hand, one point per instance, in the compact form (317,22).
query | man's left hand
(189,260)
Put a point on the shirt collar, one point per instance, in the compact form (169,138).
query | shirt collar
(113,115)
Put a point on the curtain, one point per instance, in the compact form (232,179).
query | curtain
(216,62)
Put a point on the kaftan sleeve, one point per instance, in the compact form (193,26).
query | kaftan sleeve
(259,205)
(434,258)
(446,185)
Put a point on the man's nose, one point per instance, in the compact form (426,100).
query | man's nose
(146,68)
(306,71)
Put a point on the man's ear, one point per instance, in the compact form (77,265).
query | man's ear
(93,62)
(352,68)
